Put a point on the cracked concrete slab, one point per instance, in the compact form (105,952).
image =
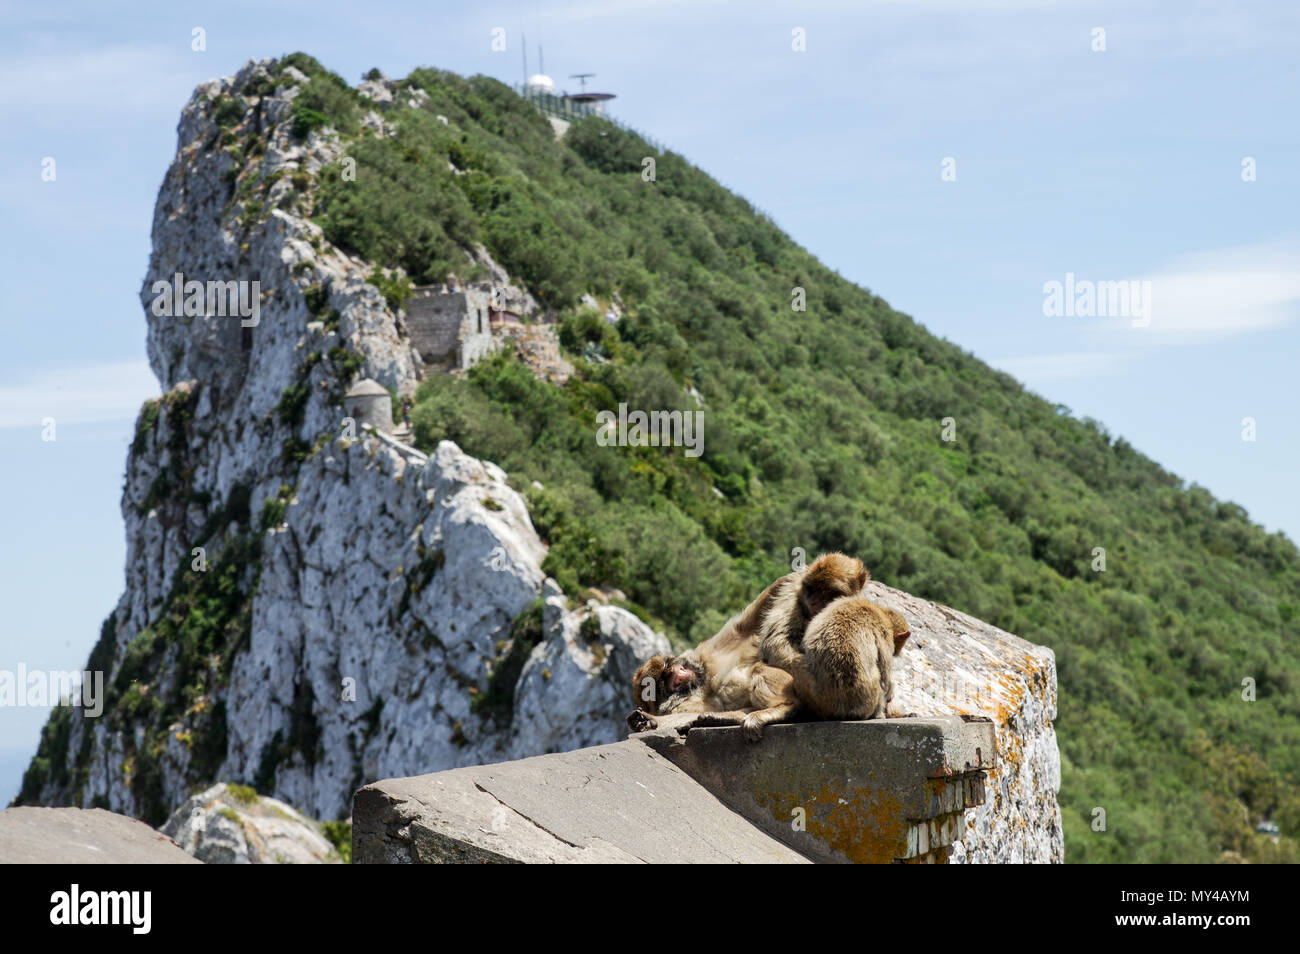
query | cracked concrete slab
(620,803)
(77,836)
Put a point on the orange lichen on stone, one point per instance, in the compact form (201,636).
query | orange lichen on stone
(866,826)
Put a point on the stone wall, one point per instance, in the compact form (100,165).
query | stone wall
(955,663)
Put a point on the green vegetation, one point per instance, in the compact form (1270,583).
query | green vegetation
(339,834)
(229,111)
(144,424)
(822,431)
(272,513)
(395,288)
(497,703)
(242,793)
(50,764)
(325,100)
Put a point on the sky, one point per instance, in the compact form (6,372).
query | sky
(953,156)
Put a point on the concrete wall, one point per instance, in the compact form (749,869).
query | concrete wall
(955,663)
(833,792)
(476,341)
(434,319)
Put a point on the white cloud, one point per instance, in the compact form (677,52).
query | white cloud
(1223,293)
(78,395)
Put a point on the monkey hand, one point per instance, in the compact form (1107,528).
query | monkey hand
(639,721)
(752,728)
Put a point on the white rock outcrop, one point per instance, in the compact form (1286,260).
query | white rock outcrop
(384,583)
(233,826)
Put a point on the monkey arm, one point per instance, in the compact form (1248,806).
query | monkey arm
(751,722)
(777,651)
(681,722)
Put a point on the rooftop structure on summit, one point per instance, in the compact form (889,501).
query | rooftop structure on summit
(540,90)
(584,96)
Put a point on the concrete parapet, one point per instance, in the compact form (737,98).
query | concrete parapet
(620,803)
(861,792)
(83,836)
(881,791)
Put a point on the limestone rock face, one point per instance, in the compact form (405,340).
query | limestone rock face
(225,826)
(556,700)
(955,663)
(380,586)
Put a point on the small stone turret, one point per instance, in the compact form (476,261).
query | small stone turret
(368,402)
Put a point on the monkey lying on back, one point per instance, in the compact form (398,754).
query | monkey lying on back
(700,680)
(729,675)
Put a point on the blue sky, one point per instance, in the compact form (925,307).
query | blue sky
(1124,164)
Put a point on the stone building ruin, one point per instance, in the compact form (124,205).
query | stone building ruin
(454,326)
(449,325)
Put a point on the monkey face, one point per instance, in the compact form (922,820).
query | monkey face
(662,677)
(679,676)
(678,683)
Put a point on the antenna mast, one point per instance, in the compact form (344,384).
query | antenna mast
(523,42)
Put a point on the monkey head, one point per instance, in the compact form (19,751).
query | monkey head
(898,627)
(661,677)
(831,576)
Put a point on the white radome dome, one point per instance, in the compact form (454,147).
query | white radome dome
(540,83)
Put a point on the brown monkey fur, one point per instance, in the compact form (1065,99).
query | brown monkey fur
(732,688)
(845,669)
(730,675)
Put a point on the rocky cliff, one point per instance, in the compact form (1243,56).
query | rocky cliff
(305,609)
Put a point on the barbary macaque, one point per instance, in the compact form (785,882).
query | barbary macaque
(727,676)
(796,598)
(712,687)
(845,668)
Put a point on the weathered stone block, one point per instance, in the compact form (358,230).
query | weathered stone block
(77,836)
(955,663)
(839,791)
(619,803)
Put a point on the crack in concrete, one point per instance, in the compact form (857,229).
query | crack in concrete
(532,821)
